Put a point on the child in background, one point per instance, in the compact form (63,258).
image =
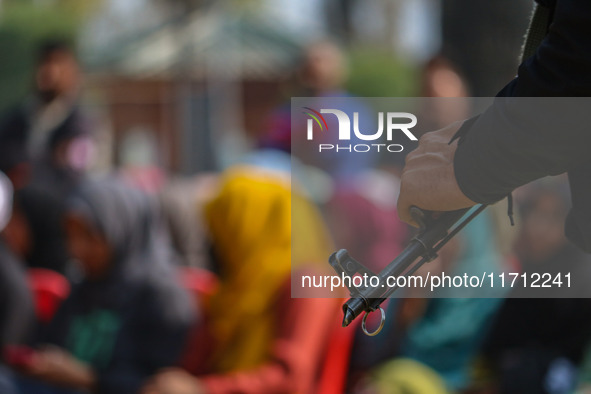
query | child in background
(128,317)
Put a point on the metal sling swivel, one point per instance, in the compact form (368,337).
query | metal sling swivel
(434,232)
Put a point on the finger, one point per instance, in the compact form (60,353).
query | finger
(165,379)
(432,158)
(403,210)
(169,370)
(49,348)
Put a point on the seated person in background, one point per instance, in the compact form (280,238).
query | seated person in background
(264,341)
(538,344)
(41,204)
(128,317)
(16,302)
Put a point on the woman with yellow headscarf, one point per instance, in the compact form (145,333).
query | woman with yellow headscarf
(265,341)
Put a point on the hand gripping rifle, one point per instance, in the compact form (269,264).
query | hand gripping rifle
(433,233)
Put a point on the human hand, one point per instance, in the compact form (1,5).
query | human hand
(56,366)
(428,180)
(173,381)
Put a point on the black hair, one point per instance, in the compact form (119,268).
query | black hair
(50,46)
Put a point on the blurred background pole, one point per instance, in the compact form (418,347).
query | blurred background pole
(224,88)
(392,10)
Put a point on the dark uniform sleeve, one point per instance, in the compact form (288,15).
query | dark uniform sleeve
(518,140)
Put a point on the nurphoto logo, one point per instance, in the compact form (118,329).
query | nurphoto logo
(395,122)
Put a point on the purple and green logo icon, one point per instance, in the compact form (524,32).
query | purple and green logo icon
(317,116)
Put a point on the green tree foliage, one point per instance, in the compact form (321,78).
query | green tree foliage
(377,73)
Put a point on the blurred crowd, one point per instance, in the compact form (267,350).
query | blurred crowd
(126,281)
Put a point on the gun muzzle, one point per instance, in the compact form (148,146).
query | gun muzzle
(434,233)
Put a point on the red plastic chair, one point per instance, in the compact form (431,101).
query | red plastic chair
(49,289)
(201,284)
(335,368)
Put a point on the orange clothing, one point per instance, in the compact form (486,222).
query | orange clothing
(303,328)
